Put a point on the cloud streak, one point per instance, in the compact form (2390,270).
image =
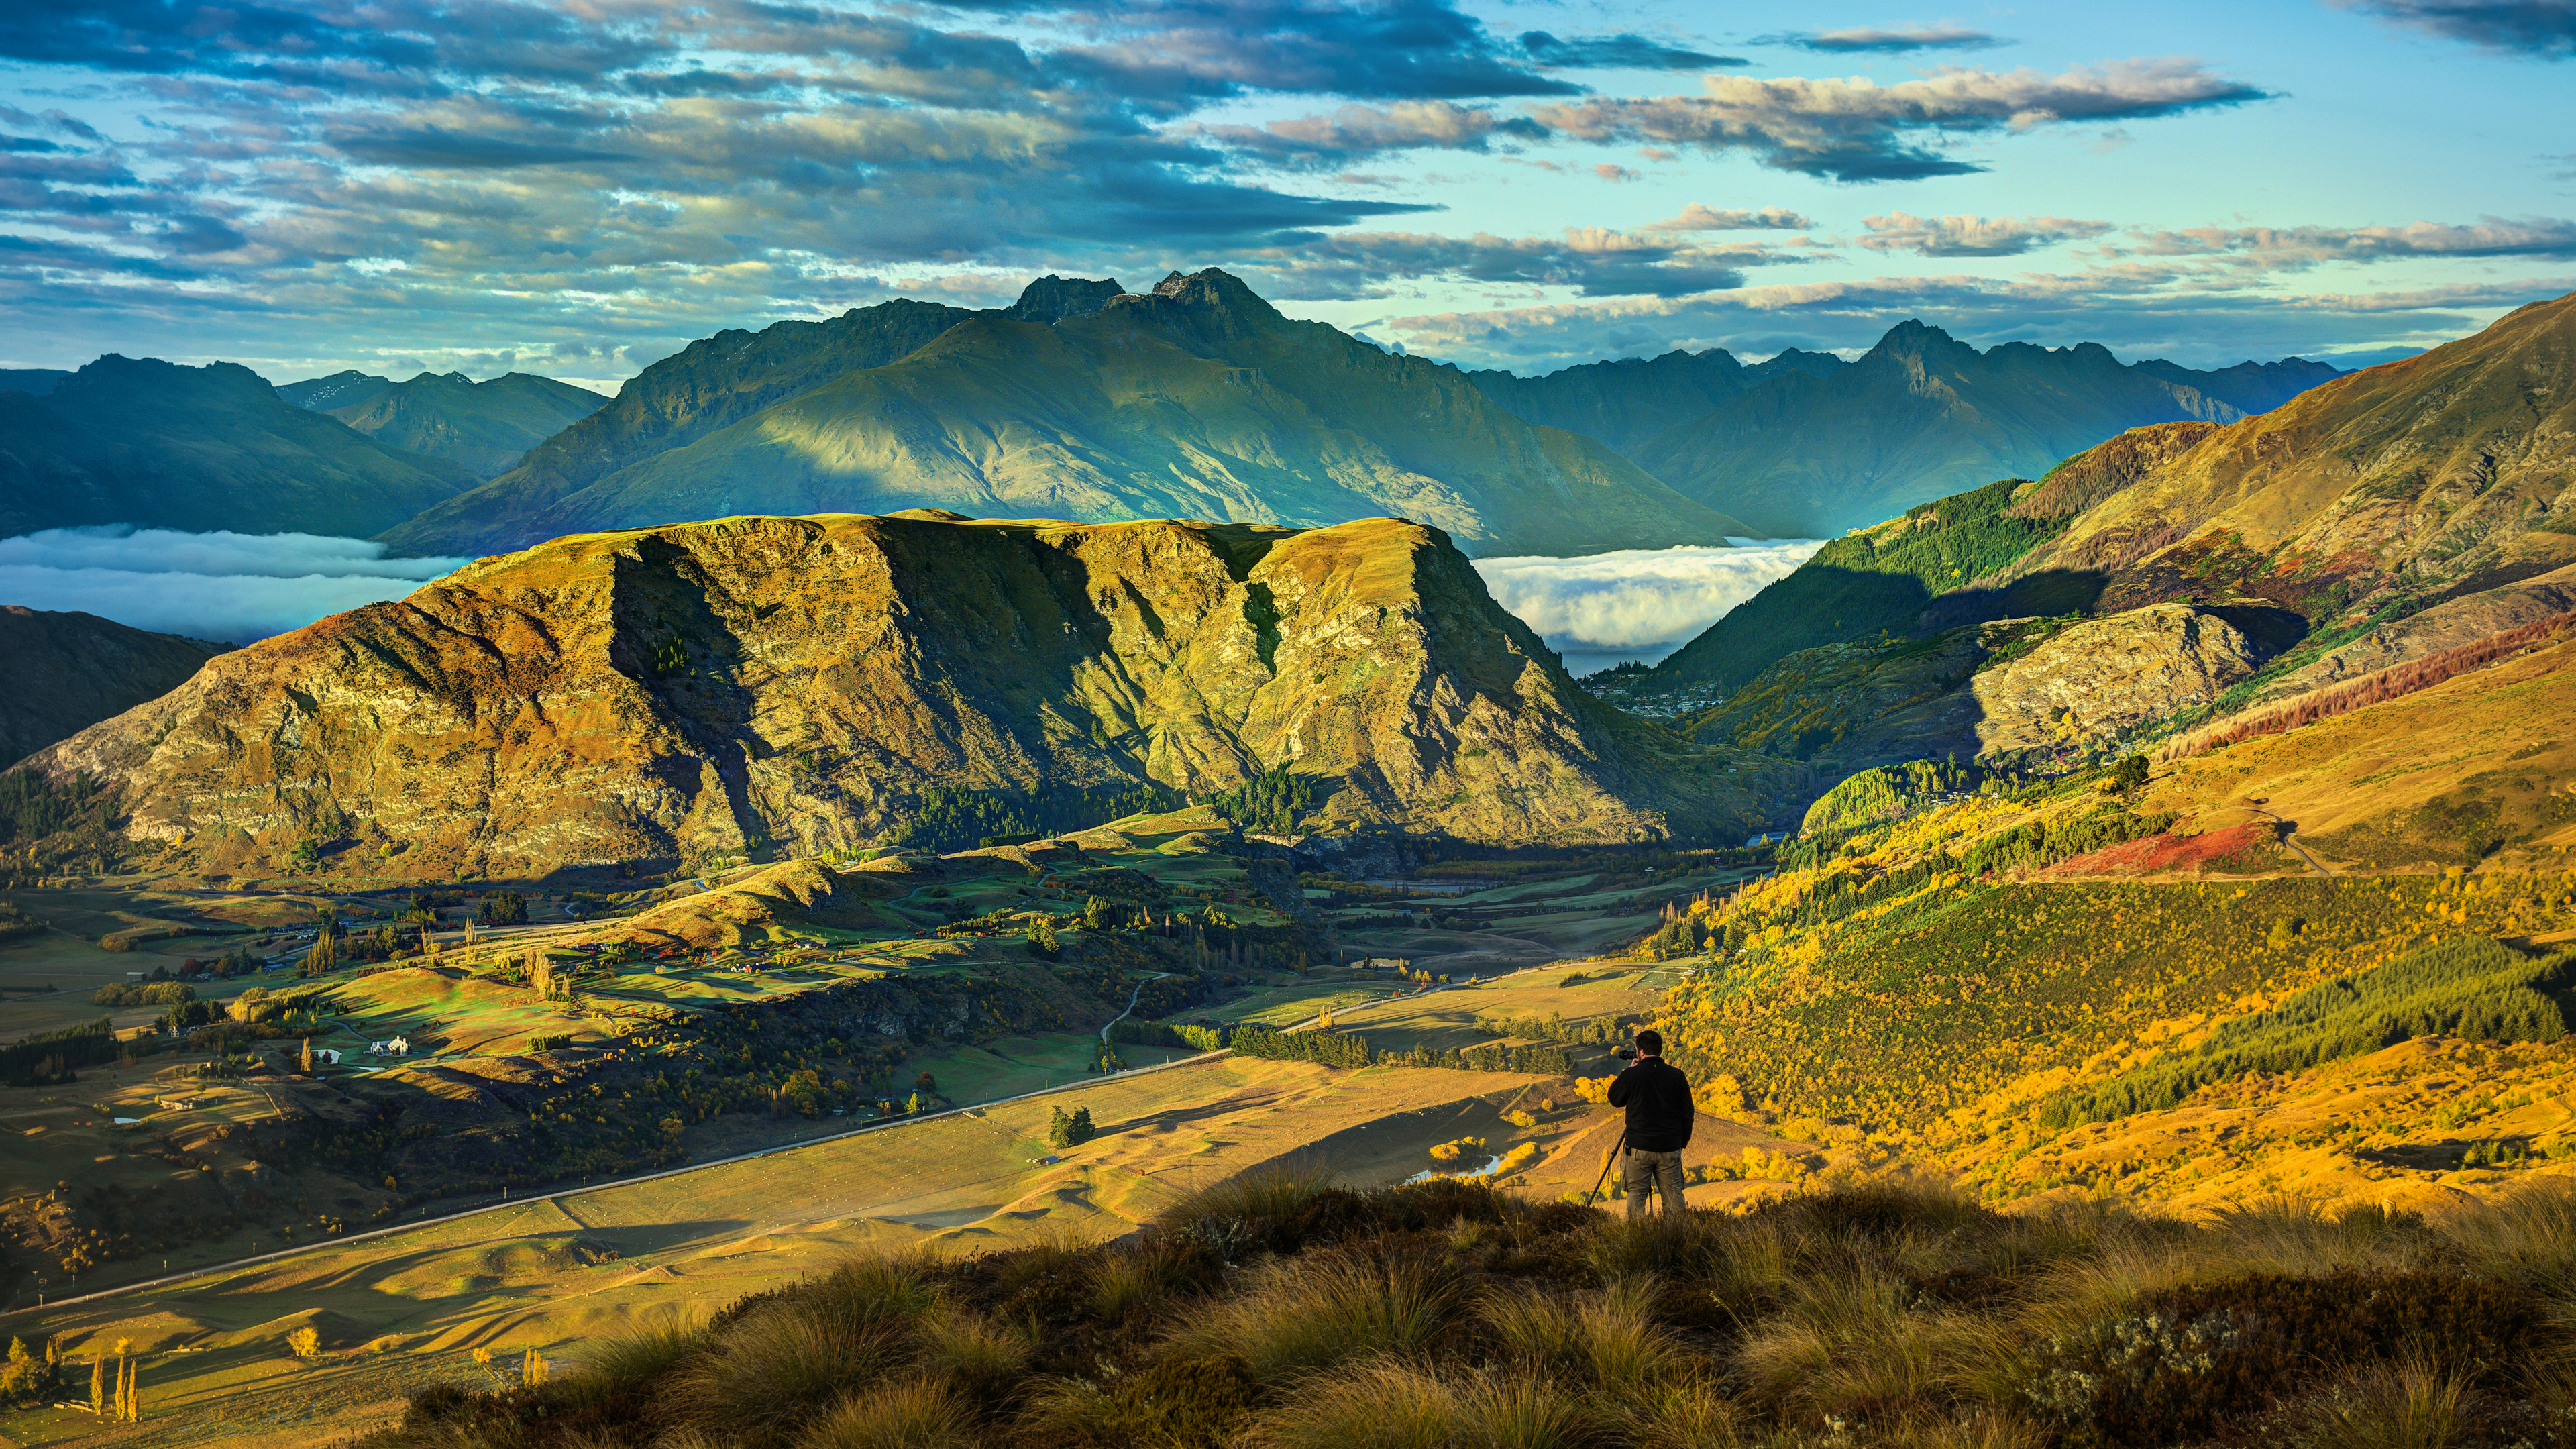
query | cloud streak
(1868,41)
(2542,29)
(232,587)
(1854,130)
(1973,236)
(1637,598)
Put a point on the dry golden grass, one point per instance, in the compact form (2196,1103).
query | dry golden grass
(1282,1313)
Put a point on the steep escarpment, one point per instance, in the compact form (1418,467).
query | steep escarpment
(806,684)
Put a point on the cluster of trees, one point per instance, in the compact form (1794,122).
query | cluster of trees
(2472,987)
(1544,1061)
(1332,1048)
(143,993)
(1273,801)
(1071,1129)
(2043,843)
(1553,1027)
(1155,1033)
(30,1377)
(50,1056)
(950,819)
(505,908)
(46,828)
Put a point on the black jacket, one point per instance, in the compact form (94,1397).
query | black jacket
(1658,1100)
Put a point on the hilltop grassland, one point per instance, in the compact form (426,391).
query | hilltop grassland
(1274,1310)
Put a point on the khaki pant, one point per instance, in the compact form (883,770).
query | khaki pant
(1652,1172)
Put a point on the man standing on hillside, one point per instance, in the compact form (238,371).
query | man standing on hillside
(1658,1099)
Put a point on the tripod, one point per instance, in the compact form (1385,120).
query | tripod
(1605,1166)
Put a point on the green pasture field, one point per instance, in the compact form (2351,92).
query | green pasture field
(1015,1064)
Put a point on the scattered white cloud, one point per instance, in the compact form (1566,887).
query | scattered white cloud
(1637,598)
(1973,236)
(235,587)
(1696,217)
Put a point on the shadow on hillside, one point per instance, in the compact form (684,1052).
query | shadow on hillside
(2046,594)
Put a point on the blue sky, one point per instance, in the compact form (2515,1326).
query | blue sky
(578,190)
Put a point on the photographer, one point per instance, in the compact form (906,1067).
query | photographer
(1658,1099)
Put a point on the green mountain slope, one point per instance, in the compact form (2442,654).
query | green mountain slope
(1624,401)
(485,426)
(1198,401)
(719,688)
(711,383)
(128,440)
(67,672)
(35,381)
(1923,415)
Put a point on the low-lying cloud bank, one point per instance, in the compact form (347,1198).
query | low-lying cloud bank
(235,587)
(1637,602)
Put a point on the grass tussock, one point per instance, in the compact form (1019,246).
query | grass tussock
(1285,1313)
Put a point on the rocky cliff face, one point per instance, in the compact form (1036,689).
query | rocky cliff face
(2097,680)
(804,683)
(2015,692)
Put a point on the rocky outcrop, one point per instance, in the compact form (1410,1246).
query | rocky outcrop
(2099,680)
(2014,692)
(806,684)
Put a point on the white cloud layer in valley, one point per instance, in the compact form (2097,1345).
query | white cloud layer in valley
(1635,603)
(235,587)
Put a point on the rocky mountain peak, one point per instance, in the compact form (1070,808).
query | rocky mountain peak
(1051,299)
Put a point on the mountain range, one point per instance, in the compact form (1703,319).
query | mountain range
(1811,451)
(485,426)
(805,684)
(1197,400)
(128,440)
(2381,516)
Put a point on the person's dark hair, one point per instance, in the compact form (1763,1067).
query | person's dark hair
(1651,1043)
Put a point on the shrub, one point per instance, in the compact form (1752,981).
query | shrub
(2202,1360)
(305,1342)
(1328,1307)
(915,1413)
